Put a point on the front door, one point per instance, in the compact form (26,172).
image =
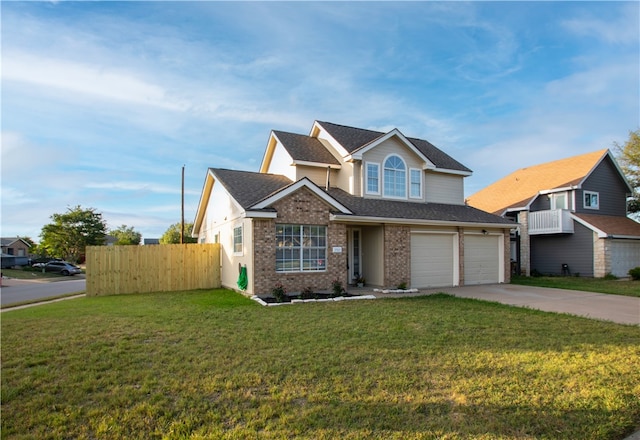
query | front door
(355,255)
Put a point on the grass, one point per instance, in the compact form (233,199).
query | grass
(625,287)
(215,365)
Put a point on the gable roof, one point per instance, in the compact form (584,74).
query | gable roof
(520,188)
(354,139)
(256,191)
(303,148)
(8,241)
(247,187)
(610,226)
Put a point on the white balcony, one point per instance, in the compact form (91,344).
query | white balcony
(553,221)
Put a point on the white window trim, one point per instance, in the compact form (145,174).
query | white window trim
(406,178)
(302,247)
(597,194)
(233,241)
(419,196)
(366,178)
(553,198)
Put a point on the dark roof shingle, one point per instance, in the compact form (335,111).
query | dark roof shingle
(248,187)
(414,210)
(305,148)
(352,139)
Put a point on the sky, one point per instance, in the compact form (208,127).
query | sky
(103,103)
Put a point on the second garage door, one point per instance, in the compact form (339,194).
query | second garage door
(432,261)
(625,255)
(481,259)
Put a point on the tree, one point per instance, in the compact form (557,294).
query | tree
(126,235)
(629,159)
(172,235)
(71,232)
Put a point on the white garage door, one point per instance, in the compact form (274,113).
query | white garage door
(432,263)
(625,255)
(481,259)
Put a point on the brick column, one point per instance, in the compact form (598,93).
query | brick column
(397,255)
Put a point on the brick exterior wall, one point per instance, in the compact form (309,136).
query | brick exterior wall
(461,255)
(397,255)
(507,256)
(301,208)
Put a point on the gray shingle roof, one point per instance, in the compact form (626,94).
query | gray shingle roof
(305,148)
(414,211)
(352,139)
(248,187)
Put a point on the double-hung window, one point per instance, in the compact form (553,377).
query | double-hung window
(395,177)
(373,178)
(301,248)
(237,240)
(415,183)
(591,200)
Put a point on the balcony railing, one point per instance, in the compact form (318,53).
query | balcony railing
(553,221)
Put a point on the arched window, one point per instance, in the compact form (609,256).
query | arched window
(395,177)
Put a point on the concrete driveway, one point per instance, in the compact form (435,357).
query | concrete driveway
(615,308)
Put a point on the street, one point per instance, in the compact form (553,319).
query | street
(16,291)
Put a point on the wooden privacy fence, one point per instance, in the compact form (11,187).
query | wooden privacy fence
(113,270)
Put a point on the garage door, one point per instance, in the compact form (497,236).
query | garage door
(625,255)
(481,259)
(432,263)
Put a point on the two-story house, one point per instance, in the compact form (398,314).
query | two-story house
(343,203)
(572,215)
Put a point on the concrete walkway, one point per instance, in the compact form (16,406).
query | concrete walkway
(614,308)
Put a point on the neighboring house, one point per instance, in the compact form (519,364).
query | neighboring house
(573,216)
(150,241)
(15,251)
(343,203)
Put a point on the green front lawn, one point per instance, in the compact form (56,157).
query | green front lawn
(618,287)
(213,364)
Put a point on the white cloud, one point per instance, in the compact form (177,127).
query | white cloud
(95,81)
(624,28)
(139,187)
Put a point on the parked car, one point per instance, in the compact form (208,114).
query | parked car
(61,267)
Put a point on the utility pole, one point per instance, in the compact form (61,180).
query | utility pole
(182,204)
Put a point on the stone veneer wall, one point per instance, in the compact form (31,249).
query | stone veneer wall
(397,255)
(525,245)
(301,208)
(601,256)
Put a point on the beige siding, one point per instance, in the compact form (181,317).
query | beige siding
(222,216)
(281,163)
(444,188)
(380,153)
(317,175)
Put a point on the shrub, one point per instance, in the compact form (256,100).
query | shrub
(336,288)
(402,286)
(610,276)
(279,292)
(635,273)
(307,293)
